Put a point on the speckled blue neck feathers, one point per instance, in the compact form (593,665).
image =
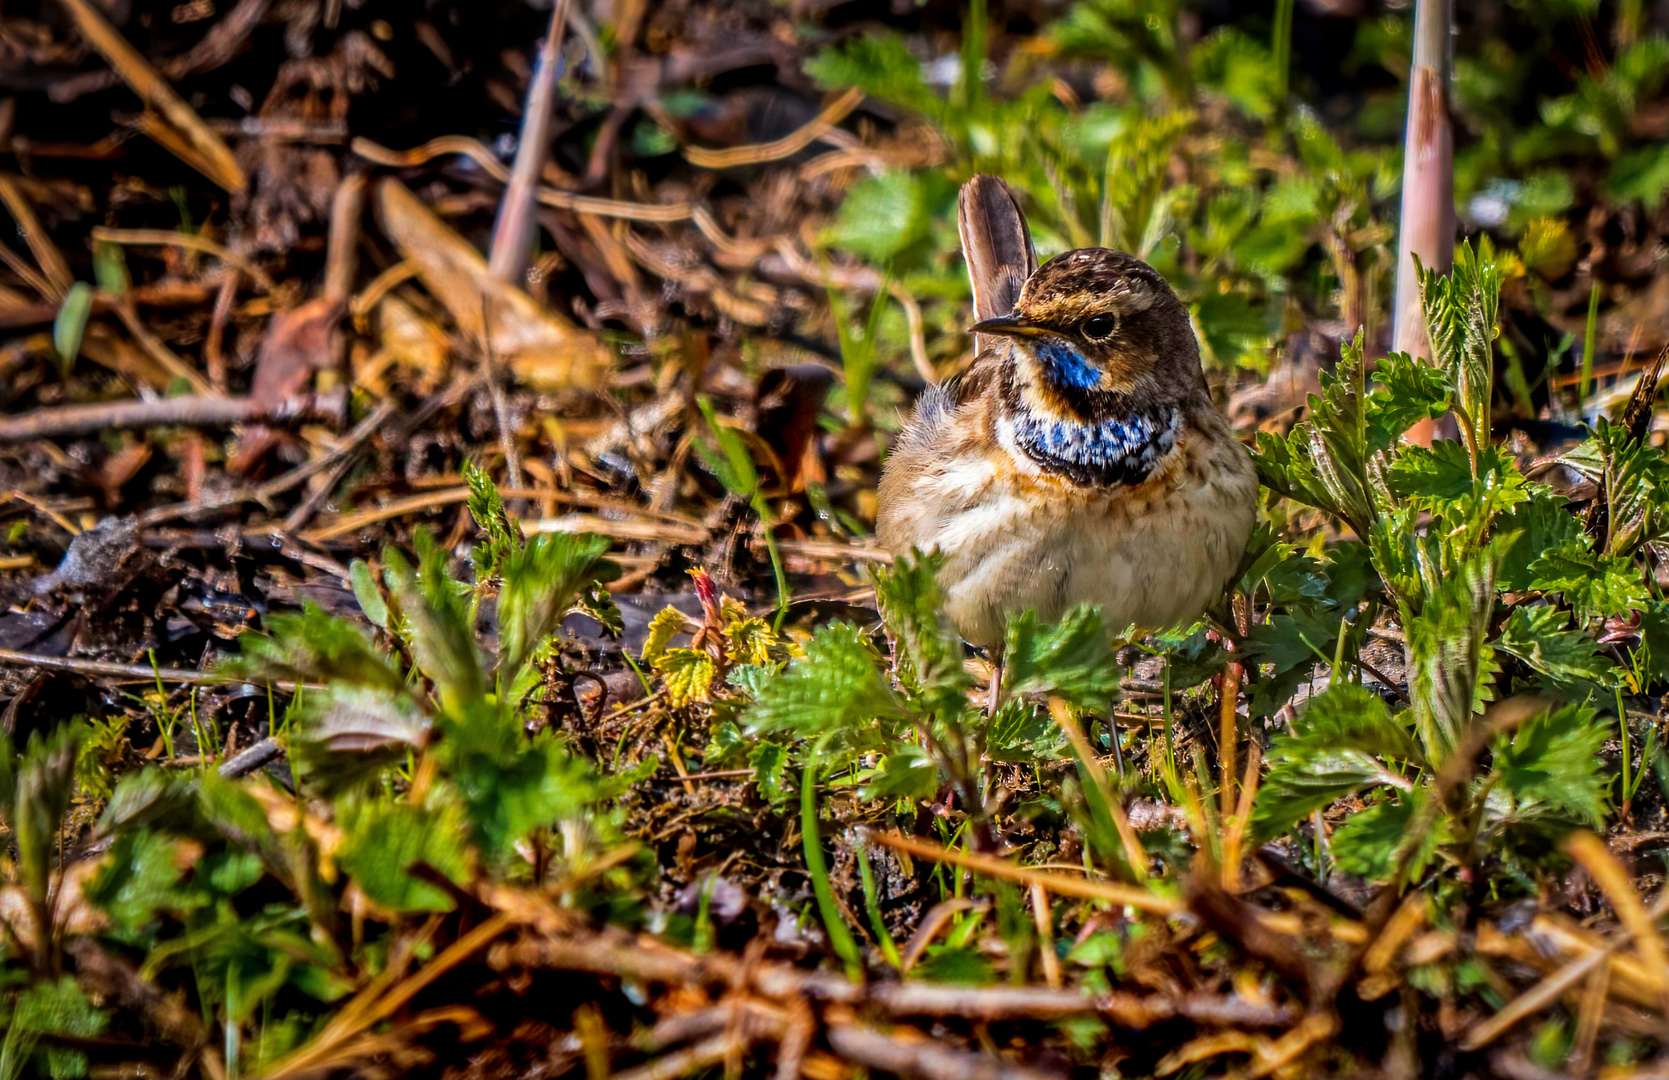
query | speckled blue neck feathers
(1102,453)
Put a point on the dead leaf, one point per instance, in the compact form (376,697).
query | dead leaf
(545,350)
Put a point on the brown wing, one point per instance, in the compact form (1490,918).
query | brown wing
(997,246)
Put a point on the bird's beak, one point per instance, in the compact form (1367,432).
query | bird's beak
(1012,324)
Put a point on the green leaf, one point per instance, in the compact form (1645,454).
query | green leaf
(71,322)
(929,653)
(311,647)
(1406,390)
(1304,778)
(540,580)
(836,694)
(365,591)
(1595,585)
(1460,324)
(1072,659)
(1366,843)
(59,1007)
(1450,661)
(346,734)
(383,838)
(1021,734)
(442,636)
(35,790)
(110,268)
(770,772)
(1554,761)
(1540,636)
(487,510)
(1334,751)
(1533,528)
(882,217)
(724,452)
(138,881)
(511,785)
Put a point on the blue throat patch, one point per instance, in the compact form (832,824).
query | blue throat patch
(1119,450)
(1065,365)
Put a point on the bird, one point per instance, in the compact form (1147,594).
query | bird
(1079,457)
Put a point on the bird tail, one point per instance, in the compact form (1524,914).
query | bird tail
(997,245)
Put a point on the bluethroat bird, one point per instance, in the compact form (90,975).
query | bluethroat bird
(1079,457)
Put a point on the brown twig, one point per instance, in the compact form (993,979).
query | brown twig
(197,411)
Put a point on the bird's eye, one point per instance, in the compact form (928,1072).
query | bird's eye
(1099,326)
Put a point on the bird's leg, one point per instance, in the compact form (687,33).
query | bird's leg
(994,698)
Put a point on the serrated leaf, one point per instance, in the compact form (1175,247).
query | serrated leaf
(1554,760)
(1593,584)
(1406,389)
(836,694)
(383,839)
(1366,843)
(1535,527)
(311,647)
(689,675)
(1073,659)
(441,635)
(540,581)
(666,624)
(1021,734)
(1304,778)
(929,653)
(1541,636)
(770,772)
(1450,661)
(750,641)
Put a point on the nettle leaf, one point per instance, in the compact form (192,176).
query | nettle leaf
(311,647)
(1323,461)
(1591,583)
(1540,635)
(1460,324)
(689,675)
(346,734)
(879,64)
(1349,716)
(382,839)
(904,772)
(1366,843)
(35,790)
(540,583)
(1406,389)
(1451,664)
(1532,528)
(487,510)
(1020,734)
(666,624)
(138,882)
(1636,488)
(1072,659)
(930,656)
(836,693)
(1304,778)
(1333,751)
(442,638)
(509,784)
(58,1007)
(770,772)
(1554,761)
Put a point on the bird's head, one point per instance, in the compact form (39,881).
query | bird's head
(1095,330)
